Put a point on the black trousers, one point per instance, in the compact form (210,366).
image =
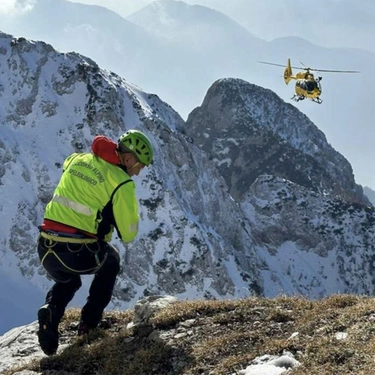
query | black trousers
(66,262)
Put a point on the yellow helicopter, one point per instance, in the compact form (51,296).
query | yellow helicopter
(307,86)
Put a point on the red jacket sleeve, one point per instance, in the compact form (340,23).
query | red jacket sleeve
(105,149)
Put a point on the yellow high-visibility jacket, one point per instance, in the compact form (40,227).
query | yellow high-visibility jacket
(95,196)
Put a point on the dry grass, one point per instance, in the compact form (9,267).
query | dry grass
(222,337)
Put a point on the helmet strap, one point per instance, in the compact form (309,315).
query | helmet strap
(135,165)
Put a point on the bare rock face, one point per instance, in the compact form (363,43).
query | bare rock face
(248,131)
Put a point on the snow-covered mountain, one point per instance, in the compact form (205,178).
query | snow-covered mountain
(53,104)
(200,236)
(178,50)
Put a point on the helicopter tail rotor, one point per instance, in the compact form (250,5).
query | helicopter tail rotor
(288,73)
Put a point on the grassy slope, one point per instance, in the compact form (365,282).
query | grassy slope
(222,337)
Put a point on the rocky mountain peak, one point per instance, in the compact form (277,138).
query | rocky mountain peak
(249,131)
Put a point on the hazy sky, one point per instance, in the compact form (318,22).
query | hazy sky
(336,23)
(15,6)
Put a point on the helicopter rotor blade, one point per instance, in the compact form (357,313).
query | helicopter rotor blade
(304,67)
(311,69)
(269,63)
(283,65)
(335,71)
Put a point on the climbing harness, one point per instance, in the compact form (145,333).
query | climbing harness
(51,240)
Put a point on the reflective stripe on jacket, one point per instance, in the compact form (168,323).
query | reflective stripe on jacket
(95,196)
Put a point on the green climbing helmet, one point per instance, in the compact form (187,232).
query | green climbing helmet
(138,144)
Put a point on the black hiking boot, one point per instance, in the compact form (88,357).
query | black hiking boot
(48,333)
(83,329)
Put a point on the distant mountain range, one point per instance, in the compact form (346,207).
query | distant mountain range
(178,50)
(370,194)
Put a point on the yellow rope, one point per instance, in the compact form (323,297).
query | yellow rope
(99,265)
(52,242)
(71,269)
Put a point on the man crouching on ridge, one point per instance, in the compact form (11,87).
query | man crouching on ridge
(95,194)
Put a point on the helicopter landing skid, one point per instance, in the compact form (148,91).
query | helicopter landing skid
(297,98)
(317,100)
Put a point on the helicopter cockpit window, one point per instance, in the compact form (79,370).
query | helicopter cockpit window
(306,84)
(310,85)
